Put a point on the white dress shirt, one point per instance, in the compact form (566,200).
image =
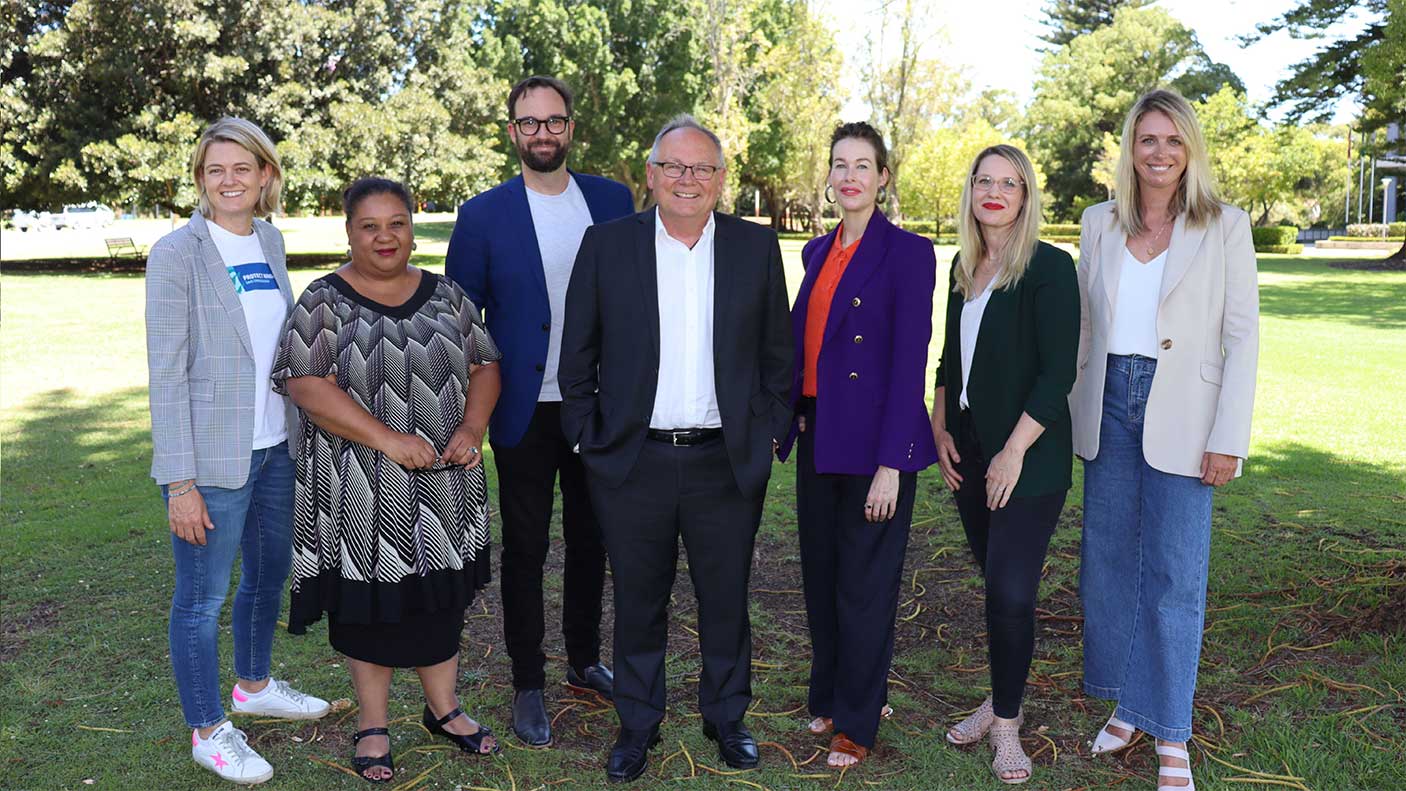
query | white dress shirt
(1135,312)
(686,396)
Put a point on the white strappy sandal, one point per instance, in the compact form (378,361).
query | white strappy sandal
(1107,743)
(1174,771)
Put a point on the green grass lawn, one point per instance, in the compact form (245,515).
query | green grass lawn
(1301,679)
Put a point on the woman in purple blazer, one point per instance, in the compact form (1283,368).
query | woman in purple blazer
(861,322)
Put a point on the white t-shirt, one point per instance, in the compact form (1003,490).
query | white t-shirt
(1135,312)
(686,395)
(265,310)
(560,221)
(971,327)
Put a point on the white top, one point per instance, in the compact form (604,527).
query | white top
(686,396)
(560,221)
(1135,313)
(972,311)
(265,310)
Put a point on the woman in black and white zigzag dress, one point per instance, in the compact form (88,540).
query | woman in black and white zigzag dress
(394,373)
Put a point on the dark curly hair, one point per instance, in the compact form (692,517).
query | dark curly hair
(860,130)
(365,187)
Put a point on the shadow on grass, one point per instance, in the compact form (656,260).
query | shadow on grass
(1376,299)
(72,462)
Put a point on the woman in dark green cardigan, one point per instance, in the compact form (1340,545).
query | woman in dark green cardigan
(1001,420)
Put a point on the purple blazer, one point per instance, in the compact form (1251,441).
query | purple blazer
(872,368)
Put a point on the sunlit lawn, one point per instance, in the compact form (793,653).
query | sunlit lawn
(1302,674)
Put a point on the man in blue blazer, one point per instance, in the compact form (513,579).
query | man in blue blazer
(512,250)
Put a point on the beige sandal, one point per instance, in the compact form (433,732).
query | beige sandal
(1010,756)
(973,728)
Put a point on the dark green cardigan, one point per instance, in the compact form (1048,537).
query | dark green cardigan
(1024,361)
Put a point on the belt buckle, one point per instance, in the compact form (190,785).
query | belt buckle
(674,437)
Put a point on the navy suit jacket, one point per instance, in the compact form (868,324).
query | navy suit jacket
(493,256)
(872,368)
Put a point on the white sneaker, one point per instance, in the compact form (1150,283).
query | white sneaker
(228,755)
(278,700)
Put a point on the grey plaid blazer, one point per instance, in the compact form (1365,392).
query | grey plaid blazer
(199,357)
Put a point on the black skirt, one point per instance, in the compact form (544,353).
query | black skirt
(416,640)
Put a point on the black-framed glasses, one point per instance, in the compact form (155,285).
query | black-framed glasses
(527,125)
(1007,185)
(675,170)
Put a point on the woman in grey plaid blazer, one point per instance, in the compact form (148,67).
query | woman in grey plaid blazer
(217,295)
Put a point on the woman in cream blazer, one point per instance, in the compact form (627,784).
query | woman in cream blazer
(1168,347)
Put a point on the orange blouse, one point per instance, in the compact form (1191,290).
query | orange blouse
(818,307)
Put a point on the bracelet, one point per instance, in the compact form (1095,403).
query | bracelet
(184,491)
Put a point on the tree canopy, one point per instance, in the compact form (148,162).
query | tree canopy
(1084,89)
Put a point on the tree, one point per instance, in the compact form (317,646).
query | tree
(1370,65)
(792,108)
(1069,19)
(909,93)
(1315,84)
(1084,90)
(937,166)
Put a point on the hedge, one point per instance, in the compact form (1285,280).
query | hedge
(1376,229)
(1287,249)
(1275,236)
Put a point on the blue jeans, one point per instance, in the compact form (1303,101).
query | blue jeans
(1145,556)
(257,519)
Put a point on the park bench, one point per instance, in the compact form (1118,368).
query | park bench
(123,247)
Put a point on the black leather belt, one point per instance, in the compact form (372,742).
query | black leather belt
(684,436)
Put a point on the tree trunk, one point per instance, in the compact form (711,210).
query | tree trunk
(1398,258)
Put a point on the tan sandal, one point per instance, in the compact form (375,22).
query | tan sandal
(1010,756)
(840,744)
(973,728)
(822,725)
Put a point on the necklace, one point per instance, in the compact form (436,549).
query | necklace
(1152,245)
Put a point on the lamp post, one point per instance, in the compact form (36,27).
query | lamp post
(1386,183)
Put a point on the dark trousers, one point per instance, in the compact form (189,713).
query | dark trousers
(672,492)
(527,474)
(1009,545)
(851,570)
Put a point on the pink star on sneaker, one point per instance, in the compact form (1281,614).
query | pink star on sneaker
(219,761)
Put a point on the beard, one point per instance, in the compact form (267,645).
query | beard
(542,159)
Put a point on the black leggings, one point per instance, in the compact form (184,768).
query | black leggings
(1011,565)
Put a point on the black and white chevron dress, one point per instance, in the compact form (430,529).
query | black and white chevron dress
(374,542)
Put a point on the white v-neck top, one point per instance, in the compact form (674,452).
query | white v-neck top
(972,311)
(1135,313)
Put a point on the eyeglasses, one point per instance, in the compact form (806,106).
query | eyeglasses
(675,170)
(529,125)
(1007,185)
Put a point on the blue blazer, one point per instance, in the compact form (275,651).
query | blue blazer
(493,256)
(872,370)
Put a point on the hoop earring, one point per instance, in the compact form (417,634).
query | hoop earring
(829,196)
(883,195)
(414,246)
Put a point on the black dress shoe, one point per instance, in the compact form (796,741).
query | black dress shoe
(595,678)
(530,721)
(630,755)
(736,746)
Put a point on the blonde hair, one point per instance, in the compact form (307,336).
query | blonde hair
(1025,233)
(252,139)
(1196,194)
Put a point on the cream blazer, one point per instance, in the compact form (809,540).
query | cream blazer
(1208,324)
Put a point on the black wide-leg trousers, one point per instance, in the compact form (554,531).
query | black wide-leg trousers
(527,478)
(684,491)
(851,570)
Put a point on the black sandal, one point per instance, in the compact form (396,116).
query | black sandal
(469,743)
(363,762)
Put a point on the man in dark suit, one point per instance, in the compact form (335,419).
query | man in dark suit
(675,365)
(512,250)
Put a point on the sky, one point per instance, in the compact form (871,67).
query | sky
(975,30)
